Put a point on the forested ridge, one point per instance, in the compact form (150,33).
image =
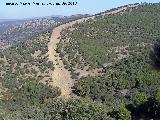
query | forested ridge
(121,46)
(122,49)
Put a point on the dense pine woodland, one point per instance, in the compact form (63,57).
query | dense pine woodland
(125,47)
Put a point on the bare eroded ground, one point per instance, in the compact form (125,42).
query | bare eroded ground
(61,77)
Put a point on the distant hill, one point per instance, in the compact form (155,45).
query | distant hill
(12,21)
(12,30)
(64,19)
(54,17)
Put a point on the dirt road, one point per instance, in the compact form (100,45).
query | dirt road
(60,76)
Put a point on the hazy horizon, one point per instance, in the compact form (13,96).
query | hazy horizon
(83,7)
(38,17)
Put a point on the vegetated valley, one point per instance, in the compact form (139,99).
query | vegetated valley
(113,59)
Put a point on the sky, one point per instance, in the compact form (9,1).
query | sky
(82,7)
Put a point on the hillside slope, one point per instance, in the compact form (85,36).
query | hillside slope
(26,88)
(116,47)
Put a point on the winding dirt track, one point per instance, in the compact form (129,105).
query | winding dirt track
(61,77)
